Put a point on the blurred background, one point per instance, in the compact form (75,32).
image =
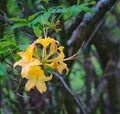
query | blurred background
(94,75)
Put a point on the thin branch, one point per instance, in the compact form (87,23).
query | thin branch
(77,100)
(89,22)
(92,35)
(3,18)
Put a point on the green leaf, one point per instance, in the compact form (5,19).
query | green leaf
(37,31)
(7,43)
(38,1)
(18,20)
(50,24)
(3,71)
(74,10)
(17,25)
(92,2)
(78,2)
(43,8)
(31,17)
(42,19)
(36,20)
(23,46)
(86,9)
(46,1)
(4,50)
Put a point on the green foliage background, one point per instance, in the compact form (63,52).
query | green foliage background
(16,37)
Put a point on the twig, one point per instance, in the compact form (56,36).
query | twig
(92,35)
(86,27)
(109,74)
(6,20)
(77,100)
(21,95)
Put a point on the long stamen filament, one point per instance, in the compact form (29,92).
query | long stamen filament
(75,55)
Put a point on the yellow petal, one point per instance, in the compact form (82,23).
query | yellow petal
(58,62)
(41,86)
(27,56)
(24,72)
(53,49)
(26,65)
(34,62)
(22,54)
(35,71)
(61,48)
(23,62)
(30,84)
(31,51)
(15,64)
(47,78)
(52,65)
(61,66)
(44,42)
(59,57)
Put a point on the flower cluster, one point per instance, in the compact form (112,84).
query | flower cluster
(36,59)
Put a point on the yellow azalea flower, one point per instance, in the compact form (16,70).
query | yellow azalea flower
(58,63)
(36,77)
(34,66)
(27,60)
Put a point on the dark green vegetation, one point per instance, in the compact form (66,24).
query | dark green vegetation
(94,76)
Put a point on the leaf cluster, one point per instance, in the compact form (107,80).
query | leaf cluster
(39,21)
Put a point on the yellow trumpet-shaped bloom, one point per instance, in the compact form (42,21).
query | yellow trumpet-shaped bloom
(36,77)
(28,60)
(34,65)
(57,63)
